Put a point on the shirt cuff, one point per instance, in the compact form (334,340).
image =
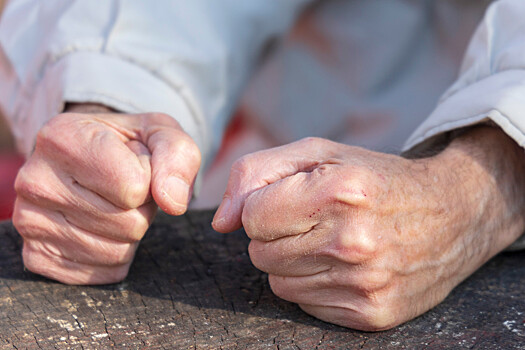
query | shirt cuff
(111,81)
(499,98)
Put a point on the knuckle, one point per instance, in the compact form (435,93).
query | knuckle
(353,191)
(117,274)
(132,186)
(43,137)
(243,165)
(46,137)
(249,219)
(320,144)
(373,282)
(338,279)
(34,185)
(24,185)
(280,288)
(312,141)
(134,193)
(35,260)
(46,132)
(356,247)
(189,150)
(43,260)
(162,119)
(21,222)
(134,226)
(380,317)
(254,219)
(33,224)
(161,116)
(118,255)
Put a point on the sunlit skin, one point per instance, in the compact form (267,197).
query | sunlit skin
(362,239)
(370,240)
(90,190)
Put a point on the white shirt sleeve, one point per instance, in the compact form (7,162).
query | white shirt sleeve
(188,59)
(491,84)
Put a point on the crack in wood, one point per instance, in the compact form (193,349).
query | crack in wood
(191,287)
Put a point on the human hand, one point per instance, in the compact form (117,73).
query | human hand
(369,240)
(90,190)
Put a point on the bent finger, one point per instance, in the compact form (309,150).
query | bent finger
(50,231)
(305,290)
(67,271)
(257,170)
(291,206)
(93,213)
(144,157)
(365,318)
(341,306)
(176,161)
(53,189)
(94,152)
(298,255)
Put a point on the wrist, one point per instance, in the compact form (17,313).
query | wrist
(487,169)
(88,108)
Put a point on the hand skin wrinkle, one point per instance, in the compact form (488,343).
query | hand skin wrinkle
(401,233)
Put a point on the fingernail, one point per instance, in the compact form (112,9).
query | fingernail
(177,190)
(223,211)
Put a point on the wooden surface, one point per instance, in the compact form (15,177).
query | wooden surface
(192,288)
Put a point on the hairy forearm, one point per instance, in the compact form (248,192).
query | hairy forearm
(490,167)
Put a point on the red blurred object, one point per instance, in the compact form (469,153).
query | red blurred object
(9,166)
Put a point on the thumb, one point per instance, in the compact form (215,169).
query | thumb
(257,170)
(175,162)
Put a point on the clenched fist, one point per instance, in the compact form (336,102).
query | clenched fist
(90,190)
(369,240)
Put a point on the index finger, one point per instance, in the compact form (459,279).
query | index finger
(288,207)
(97,156)
(260,169)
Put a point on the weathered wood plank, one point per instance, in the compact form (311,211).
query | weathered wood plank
(192,288)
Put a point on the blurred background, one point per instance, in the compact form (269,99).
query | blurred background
(374,103)
(10,162)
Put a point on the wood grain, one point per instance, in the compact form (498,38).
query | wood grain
(192,288)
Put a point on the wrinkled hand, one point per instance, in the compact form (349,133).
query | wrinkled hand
(369,240)
(90,190)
